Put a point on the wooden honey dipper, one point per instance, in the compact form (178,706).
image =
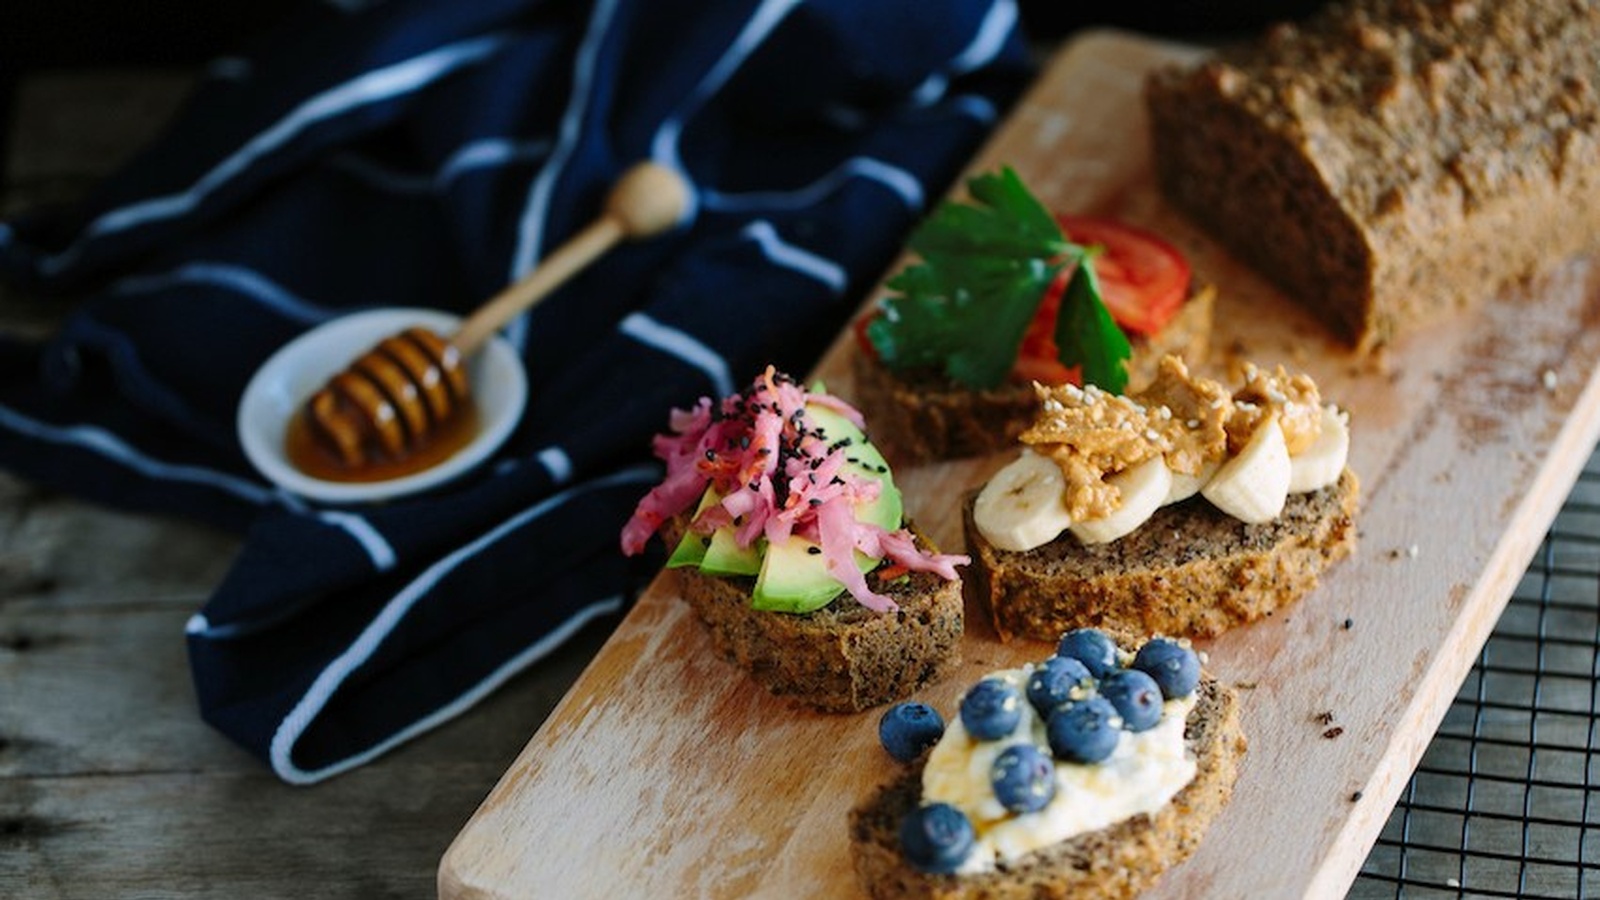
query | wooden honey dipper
(405,390)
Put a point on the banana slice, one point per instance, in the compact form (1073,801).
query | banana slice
(1024,505)
(1143,487)
(1322,463)
(1186,486)
(1253,485)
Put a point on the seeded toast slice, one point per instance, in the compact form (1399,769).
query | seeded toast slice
(921,417)
(1191,570)
(842,657)
(1119,861)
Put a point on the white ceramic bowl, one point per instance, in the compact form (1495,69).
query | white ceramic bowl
(281,386)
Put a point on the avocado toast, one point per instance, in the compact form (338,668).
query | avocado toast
(789,538)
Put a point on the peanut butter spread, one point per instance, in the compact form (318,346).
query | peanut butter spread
(1294,399)
(1190,420)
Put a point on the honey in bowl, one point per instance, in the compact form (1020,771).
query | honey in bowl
(317,459)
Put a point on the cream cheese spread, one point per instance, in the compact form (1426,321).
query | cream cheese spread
(1145,771)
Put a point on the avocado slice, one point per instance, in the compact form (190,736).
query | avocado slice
(724,556)
(692,547)
(720,554)
(794,574)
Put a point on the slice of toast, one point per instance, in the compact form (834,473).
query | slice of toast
(842,657)
(1119,861)
(1191,570)
(923,417)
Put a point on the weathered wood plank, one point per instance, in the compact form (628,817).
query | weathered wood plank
(110,785)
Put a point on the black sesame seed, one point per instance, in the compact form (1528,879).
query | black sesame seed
(813,550)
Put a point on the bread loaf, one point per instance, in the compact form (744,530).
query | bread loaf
(1388,161)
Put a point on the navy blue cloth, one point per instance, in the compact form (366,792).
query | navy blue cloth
(419,153)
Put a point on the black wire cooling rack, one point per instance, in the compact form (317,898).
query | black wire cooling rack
(1503,803)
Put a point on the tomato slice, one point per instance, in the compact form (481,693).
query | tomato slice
(1038,359)
(859,329)
(1143,278)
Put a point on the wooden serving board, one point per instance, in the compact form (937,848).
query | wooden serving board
(666,773)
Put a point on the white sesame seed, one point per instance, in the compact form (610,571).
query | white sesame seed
(1412,551)
(1548,379)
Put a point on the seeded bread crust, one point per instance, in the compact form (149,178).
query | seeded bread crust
(1389,161)
(921,417)
(1191,570)
(843,657)
(1116,862)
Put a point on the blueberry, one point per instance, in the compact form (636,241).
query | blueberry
(1084,731)
(907,729)
(1136,697)
(1175,667)
(1024,779)
(936,838)
(991,709)
(1092,647)
(1052,682)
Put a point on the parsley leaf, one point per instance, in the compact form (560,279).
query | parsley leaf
(1088,336)
(985,266)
